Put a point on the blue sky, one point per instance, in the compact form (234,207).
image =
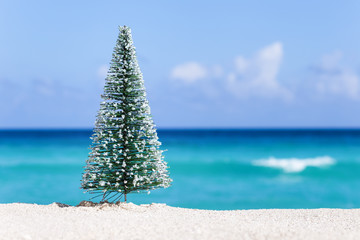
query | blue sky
(205,63)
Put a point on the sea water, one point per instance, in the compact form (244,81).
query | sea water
(211,169)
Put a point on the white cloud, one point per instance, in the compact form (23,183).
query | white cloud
(346,83)
(254,77)
(241,64)
(334,79)
(258,76)
(102,71)
(45,86)
(217,71)
(331,61)
(189,72)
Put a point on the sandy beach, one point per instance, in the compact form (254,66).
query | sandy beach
(159,221)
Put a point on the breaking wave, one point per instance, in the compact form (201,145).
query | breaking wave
(294,164)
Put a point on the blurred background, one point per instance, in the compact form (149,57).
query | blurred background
(256,102)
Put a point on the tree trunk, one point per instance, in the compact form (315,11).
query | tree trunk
(125,197)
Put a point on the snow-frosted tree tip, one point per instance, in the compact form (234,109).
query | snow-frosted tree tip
(125,153)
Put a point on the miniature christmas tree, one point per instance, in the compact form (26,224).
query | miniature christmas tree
(125,154)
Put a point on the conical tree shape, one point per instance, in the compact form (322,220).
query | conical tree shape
(125,154)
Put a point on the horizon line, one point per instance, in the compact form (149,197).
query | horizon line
(182,128)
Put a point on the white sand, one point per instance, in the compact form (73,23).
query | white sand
(156,221)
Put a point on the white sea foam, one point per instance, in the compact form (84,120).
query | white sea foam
(294,164)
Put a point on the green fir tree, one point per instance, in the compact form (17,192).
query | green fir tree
(125,154)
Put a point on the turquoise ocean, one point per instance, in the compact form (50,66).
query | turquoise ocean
(211,169)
